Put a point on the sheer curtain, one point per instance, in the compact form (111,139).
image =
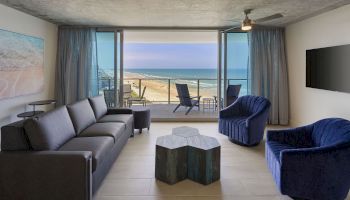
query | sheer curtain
(268,71)
(76,70)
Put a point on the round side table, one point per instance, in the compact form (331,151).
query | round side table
(28,114)
(142,118)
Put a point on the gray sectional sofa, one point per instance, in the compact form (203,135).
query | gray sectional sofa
(64,153)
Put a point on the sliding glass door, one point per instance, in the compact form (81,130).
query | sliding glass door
(109,60)
(233,66)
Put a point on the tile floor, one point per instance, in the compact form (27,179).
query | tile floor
(244,173)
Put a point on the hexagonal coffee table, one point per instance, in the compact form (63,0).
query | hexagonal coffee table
(203,159)
(171,159)
(187,154)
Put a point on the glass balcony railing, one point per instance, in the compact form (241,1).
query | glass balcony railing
(163,91)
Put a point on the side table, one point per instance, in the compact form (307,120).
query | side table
(35,112)
(142,118)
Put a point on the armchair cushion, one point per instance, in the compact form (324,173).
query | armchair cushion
(50,130)
(98,105)
(82,115)
(300,137)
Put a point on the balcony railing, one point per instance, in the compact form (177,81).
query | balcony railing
(204,87)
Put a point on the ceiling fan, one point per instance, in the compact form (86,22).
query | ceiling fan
(247,23)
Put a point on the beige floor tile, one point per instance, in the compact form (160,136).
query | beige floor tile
(122,187)
(260,186)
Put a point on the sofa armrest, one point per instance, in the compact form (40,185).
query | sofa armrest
(317,169)
(230,111)
(45,175)
(298,137)
(115,111)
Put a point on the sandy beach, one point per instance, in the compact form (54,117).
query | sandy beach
(157,90)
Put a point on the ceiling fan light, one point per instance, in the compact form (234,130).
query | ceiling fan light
(246,24)
(246,27)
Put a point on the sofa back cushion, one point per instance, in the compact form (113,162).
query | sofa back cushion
(13,137)
(331,131)
(81,114)
(50,130)
(98,105)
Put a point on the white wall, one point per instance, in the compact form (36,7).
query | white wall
(328,29)
(13,20)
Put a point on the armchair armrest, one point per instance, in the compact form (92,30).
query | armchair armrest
(298,137)
(114,111)
(45,175)
(196,97)
(261,115)
(230,111)
(300,167)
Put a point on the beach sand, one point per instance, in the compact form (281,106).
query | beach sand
(157,90)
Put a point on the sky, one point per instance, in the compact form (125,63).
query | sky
(171,53)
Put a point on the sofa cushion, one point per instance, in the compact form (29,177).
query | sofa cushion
(99,146)
(125,118)
(82,115)
(49,130)
(111,129)
(13,137)
(98,105)
(277,147)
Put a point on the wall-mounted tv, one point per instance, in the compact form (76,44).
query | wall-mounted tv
(329,68)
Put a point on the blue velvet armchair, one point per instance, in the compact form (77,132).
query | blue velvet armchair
(244,121)
(313,161)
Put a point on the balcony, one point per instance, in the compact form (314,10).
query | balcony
(161,96)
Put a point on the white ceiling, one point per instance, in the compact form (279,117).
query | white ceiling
(170,36)
(170,13)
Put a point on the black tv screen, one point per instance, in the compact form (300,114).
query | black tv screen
(328,68)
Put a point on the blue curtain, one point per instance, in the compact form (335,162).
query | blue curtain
(268,75)
(76,70)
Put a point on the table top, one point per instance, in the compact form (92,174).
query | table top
(171,141)
(187,136)
(29,114)
(203,142)
(42,102)
(185,131)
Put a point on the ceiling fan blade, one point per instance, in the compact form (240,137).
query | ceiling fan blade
(232,28)
(268,18)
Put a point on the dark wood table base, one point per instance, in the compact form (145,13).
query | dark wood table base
(187,155)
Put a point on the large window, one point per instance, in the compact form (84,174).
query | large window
(159,59)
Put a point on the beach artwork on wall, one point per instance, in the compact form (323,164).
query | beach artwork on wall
(21,64)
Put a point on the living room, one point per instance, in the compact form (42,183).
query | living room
(285,135)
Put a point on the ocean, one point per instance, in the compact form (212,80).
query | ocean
(188,76)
